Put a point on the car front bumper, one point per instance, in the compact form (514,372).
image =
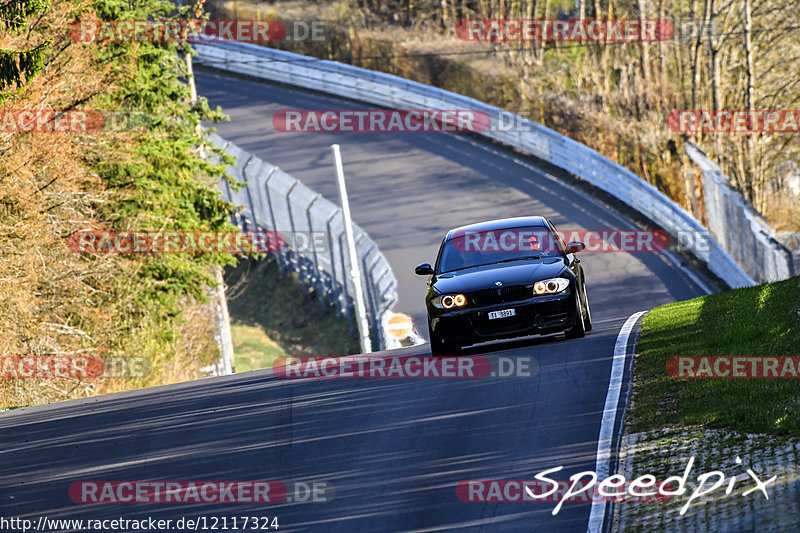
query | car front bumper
(537,315)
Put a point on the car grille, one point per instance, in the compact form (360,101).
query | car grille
(512,293)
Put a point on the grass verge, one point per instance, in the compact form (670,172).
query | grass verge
(752,322)
(273,315)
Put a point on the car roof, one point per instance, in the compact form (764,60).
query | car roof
(500,224)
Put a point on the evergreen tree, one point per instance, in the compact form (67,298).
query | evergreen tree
(19,66)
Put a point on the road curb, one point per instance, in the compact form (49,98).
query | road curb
(616,397)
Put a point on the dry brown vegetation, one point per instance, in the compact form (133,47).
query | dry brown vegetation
(56,302)
(736,55)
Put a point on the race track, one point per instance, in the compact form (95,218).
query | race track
(394,449)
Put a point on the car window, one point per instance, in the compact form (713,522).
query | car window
(559,237)
(477,248)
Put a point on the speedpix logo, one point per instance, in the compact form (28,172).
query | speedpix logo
(616,487)
(548,490)
(405,367)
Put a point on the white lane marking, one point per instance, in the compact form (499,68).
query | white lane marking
(604,440)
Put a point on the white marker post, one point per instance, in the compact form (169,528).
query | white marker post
(355,271)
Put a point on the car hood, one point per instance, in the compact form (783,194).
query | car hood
(484,277)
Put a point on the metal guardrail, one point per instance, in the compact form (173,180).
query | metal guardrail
(394,92)
(738,227)
(272,200)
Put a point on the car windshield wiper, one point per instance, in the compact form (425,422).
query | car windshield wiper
(526,258)
(457,269)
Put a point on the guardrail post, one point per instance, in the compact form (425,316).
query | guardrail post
(333,289)
(294,263)
(347,307)
(371,309)
(377,308)
(246,182)
(279,253)
(317,277)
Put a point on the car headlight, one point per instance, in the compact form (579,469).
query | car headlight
(448,301)
(550,286)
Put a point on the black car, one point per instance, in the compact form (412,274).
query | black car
(502,279)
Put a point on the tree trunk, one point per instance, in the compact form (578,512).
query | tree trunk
(530,15)
(754,180)
(697,45)
(715,74)
(645,47)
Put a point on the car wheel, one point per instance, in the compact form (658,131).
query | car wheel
(440,348)
(578,330)
(587,320)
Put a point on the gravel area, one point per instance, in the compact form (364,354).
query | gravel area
(666,453)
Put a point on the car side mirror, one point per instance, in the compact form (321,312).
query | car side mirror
(574,247)
(425,269)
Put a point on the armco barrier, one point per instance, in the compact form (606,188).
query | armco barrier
(271,200)
(738,227)
(394,92)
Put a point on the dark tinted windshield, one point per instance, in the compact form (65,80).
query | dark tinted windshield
(476,248)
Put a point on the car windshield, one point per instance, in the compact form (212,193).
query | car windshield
(469,249)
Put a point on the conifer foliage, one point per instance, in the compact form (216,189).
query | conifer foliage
(16,66)
(149,174)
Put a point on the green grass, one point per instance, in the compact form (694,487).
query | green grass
(274,316)
(253,348)
(755,321)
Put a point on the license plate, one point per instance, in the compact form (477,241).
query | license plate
(502,314)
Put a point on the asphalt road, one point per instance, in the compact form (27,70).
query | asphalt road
(394,449)
(406,190)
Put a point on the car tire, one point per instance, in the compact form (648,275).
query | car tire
(439,348)
(587,320)
(578,330)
